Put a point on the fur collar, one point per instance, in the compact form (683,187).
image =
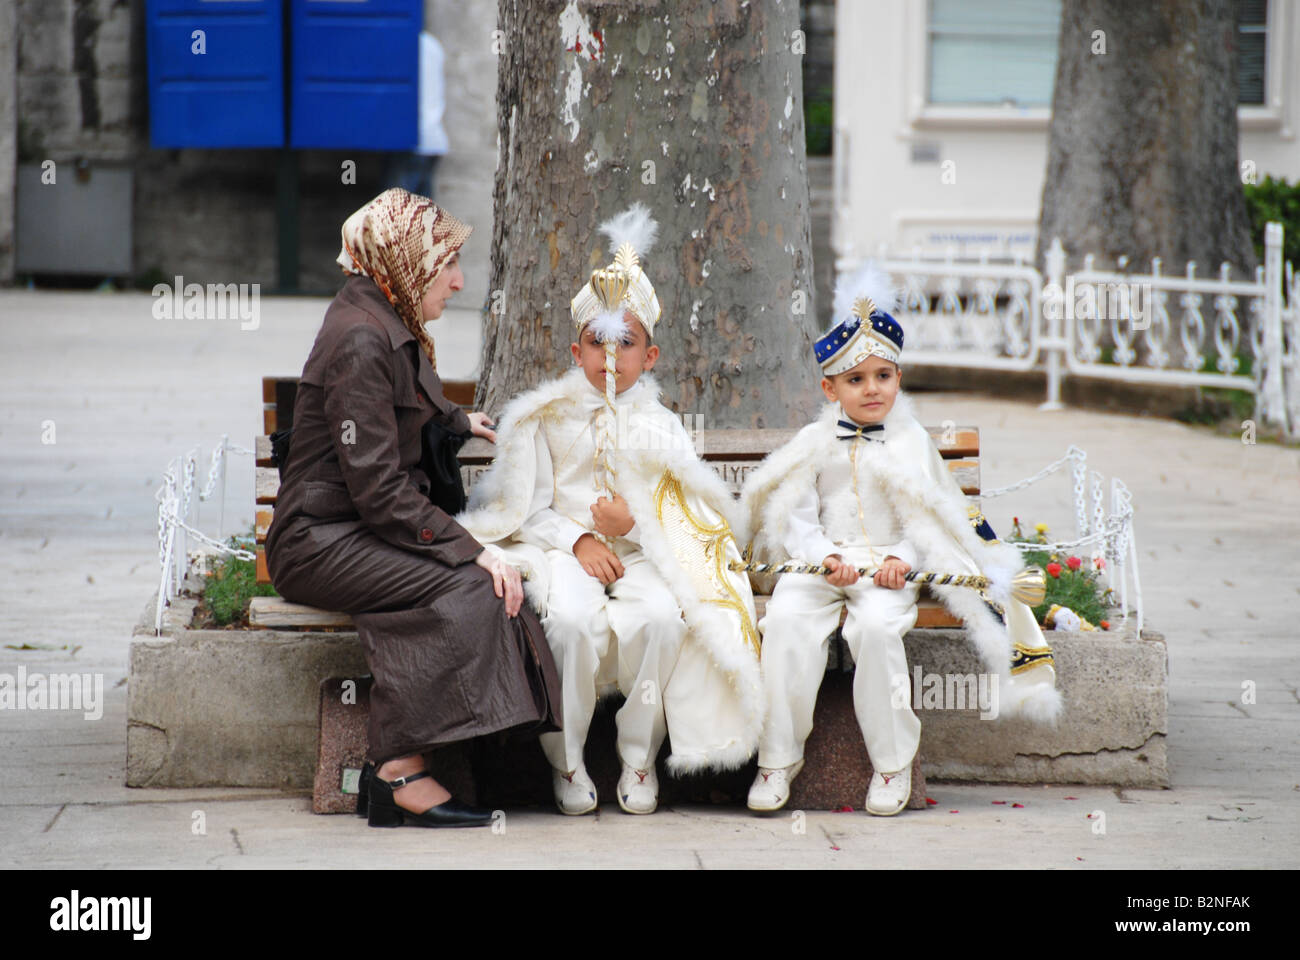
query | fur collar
(569,387)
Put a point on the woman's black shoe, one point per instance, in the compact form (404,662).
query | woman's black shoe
(363,788)
(383,810)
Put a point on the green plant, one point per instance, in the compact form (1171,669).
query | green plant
(232,583)
(818,118)
(147,279)
(1275,200)
(1071,581)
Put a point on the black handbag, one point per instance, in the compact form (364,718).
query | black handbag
(440,464)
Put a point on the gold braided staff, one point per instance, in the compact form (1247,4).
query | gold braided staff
(610,285)
(1029,585)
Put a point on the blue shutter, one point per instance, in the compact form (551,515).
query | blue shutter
(232,95)
(355,66)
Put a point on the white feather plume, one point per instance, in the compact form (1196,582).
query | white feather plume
(609,326)
(635,226)
(867,281)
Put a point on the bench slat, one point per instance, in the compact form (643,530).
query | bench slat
(731,469)
(262,524)
(967,474)
(266,484)
(754,445)
(277,613)
(460,392)
(280,613)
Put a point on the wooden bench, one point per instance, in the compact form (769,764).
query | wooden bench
(732,453)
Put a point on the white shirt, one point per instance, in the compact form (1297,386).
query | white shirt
(832,503)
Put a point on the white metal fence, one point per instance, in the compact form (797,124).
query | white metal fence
(1148,328)
(178,512)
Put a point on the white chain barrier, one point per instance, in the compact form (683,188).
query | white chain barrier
(177,508)
(1111,534)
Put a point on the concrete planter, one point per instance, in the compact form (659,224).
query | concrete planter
(227,707)
(241,708)
(1112,730)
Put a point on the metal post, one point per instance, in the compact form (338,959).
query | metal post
(286,217)
(1274,407)
(164,585)
(1291,347)
(221,503)
(1051,338)
(1137,583)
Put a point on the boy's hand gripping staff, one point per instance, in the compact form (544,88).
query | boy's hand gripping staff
(1029,585)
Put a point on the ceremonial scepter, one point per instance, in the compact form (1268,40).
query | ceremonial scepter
(610,285)
(1029,585)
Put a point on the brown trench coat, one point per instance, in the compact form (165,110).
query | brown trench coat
(354,531)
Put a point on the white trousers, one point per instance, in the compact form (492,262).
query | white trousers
(801,617)
(626,637)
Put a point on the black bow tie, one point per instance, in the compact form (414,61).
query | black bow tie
(860,431)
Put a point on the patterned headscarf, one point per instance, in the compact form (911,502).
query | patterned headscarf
(402,242)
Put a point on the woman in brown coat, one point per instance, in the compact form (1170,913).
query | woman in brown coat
(453,650)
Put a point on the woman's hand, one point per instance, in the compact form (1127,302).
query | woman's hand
(480,424)
(505,580)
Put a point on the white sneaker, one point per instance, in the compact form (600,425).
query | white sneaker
(889,792)
(638,790)
(771,789)
(575,794)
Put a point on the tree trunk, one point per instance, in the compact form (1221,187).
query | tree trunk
(1142,156)
(694,108)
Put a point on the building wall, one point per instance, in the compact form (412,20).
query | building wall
(8,133)
(77,72)
(908,175)
(467,174)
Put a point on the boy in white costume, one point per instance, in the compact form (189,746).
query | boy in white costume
(597,492)
(864,489)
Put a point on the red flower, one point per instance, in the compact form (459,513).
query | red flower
(1105,624)
(931,802)
(999,801)
(1018,805)
(1054,570)
(1099,563)
(1074,563)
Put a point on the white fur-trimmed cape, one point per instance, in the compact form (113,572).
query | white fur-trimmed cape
(714,702)
(933,513)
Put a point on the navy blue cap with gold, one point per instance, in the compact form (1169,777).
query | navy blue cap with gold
(868,332)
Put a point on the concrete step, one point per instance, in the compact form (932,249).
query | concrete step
(511,771)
